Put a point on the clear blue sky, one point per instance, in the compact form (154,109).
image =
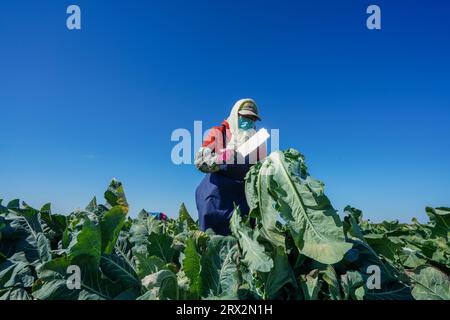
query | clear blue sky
(369,109)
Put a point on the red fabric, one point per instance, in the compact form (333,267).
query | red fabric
(214,139)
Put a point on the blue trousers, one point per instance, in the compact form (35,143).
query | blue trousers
(217,195)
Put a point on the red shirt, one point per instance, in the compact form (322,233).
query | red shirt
(214,140)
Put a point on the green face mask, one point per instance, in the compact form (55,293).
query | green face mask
(245,123)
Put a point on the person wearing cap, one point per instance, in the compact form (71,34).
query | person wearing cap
(223,186)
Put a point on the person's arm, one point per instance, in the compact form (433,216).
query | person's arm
(208,158)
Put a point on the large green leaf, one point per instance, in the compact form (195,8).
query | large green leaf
(119,270)
(430,284)
(54,224)
(192,268)
(280,276)
(85,248)
(228,274)
(263,206)
(160,245)
(384,246)
(218,273)
(254,255)
(285,191)
(24,233)
(16,272)
(53,283)
(183,216)
(440,217)
(146,265)
(149,236)
(110,224)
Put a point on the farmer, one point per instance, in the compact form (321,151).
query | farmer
(223,186)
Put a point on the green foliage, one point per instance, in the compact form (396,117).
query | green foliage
(280,188)
(430,284)
(192,267)
(292,245)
